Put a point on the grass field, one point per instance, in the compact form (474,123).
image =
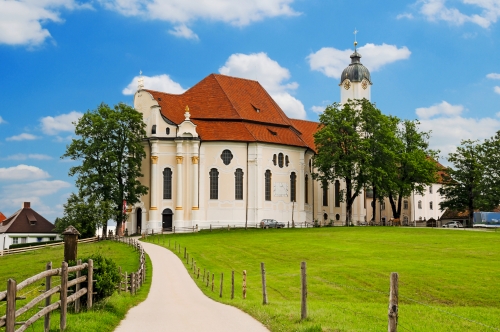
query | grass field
(105,315)
(448,279)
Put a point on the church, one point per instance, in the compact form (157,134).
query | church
(225,153)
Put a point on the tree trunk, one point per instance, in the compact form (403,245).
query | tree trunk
(349,201)
(393,206)
(374,202)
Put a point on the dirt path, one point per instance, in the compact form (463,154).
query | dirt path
(175,303)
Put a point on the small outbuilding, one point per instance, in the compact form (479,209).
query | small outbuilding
(26,226)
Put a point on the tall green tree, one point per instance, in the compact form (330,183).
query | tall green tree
(415,165)
(110,152)
(470,181)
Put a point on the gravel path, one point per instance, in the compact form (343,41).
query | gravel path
(175,303)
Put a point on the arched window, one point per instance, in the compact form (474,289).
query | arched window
(280,160)
(306,189)
(167,131)
(293,187)
(167,183)
(226,157)
(419,204)
(274,159)
(325,193)
(214,183)
(405,204)
(382,206)
(153,129)
(286,161)
(268,185)
(238,184)
(337,193)
(431,206)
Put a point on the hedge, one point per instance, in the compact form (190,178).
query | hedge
(32,244)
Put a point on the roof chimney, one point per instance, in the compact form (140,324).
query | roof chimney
(26,204)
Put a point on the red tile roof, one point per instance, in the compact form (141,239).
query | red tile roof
(2,217)
(227,108)
(26,220)
(307,130)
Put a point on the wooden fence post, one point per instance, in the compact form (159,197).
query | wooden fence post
(393,303)
(187,259)
(208,278)
(126,281)
(63,296)
(203,275)
(221,281)
(48,286)
(213,283)
(90,283)
(198,277)
(303,303)
(232,285)
(132,283)
(244,284)
(77,286)
(11,305)
(184,252)
(264,291)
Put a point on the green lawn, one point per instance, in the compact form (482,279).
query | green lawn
(448,279)
(105,315)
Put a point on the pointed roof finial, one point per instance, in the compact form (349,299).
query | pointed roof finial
(187,115)
(355,42)
(140,81)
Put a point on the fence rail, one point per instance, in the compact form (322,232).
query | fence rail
(32,248)
(132,282)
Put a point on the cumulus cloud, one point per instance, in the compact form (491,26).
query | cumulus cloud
(318,109)
(497,89)
(184,32)
(2,120)
(22,137)
(449,126)
(21,21)
(331,61)
(480,12)
(493,76)
(52,125)
(157,83)
(37,188)
(181,12)
(259,67)
(405,15)
(22,172)
(22,156)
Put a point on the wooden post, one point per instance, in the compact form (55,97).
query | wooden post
(126,281)
(221,281)
(393,303)
(132,283)
(187,259)
(264,291)
(70,243)
(213,278)
(232,285)
(184,252)
(208,277)
(303,303)
(90,281)
(244,284)
(203,275)
(11,305)
(48,286)
(77,286)
(198,274)
(63,295)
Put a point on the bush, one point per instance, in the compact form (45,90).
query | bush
(32,244)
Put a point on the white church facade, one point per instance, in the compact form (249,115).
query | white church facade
(224,153)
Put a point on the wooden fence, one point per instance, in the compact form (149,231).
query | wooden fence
(132,282)
(21,250)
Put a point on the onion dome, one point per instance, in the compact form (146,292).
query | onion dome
(355,72)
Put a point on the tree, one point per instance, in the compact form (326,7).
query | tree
(342,151)
(470,182)
(415,165)
(110,150)
(491,148)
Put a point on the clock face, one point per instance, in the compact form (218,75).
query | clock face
(347,85)
(364,84)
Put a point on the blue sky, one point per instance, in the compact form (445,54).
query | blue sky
(432,60)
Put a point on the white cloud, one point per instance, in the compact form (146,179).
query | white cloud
(331,61)
(449,127)
(157,83)
(318,109)
(182,12)
(22,137)
(2,120)
(405,15)
(52,125)
(36,188)
(493,76)
(437,10)
(184,32)
(497,89)
(22,156)
(22,172)
(498,114)
(259,67)
(21,21)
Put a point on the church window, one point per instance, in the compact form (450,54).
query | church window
(325,193)
(382,206)
(167,131)
(268,185)
(167,183)
(337,217)
(431,206)
(405,220)
(238,184)
(310,165)
(337,193)
(405,204)
(293,187)
(430,189)
(214,183)
(419,204)
(306,189)
(153,129)
(226,157)
(274,159)
(286,161)
(280,160)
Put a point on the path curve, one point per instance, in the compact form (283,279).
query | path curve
(175,303)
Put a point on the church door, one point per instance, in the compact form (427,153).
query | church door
(166,217)
(138,213)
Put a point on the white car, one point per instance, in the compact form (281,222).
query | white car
(453,224)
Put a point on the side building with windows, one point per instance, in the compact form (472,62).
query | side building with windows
(224,152)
